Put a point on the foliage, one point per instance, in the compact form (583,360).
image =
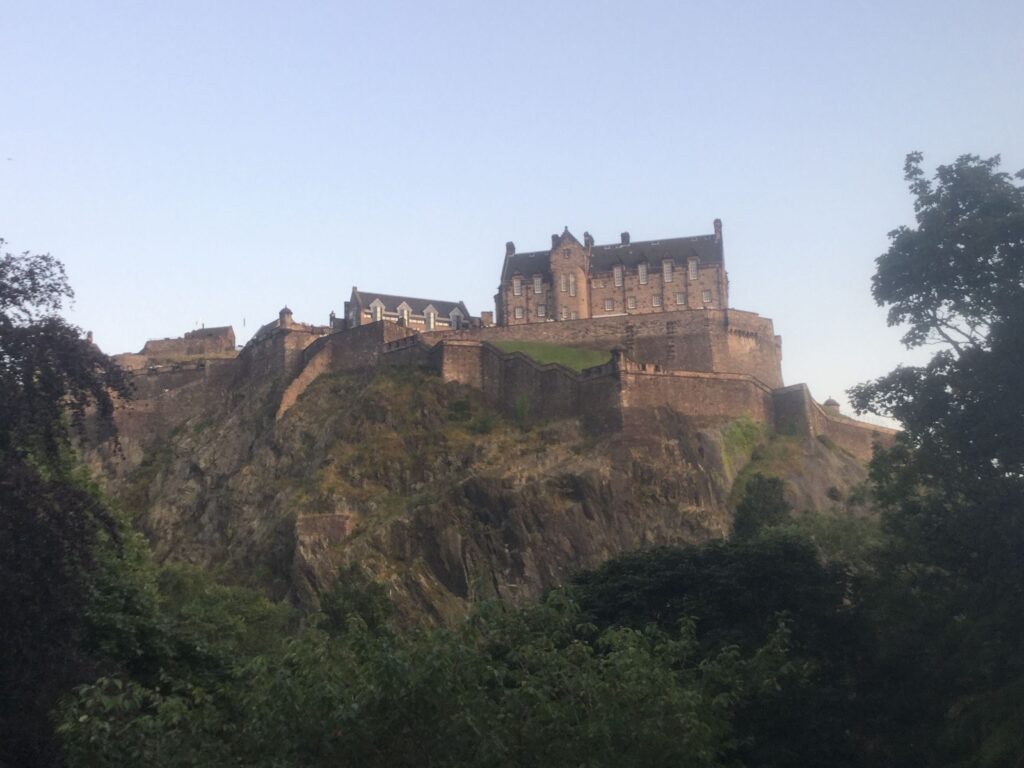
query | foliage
(739,439)
(573,358)
(948,603)
(56,533)
(763,506)
(532,687)
(736,592)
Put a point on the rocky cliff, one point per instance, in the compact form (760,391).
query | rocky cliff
(422,485)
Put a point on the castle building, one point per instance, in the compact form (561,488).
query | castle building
(421,314)
(580,281)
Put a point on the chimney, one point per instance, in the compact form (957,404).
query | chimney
(718,230)
(554,241)
(88,337)
(588,240)
(333,318)
(625,238)
(510,248)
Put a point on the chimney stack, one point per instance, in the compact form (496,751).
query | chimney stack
(588,240)
(554,241)
(625,238)
(510,248)
(718,230)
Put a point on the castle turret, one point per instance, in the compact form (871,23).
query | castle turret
(284,318)
(831,407)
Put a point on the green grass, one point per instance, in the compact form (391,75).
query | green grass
(571,357)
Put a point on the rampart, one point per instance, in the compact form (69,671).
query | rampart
(797,413)
(709,341)
(204,341)
(710,366)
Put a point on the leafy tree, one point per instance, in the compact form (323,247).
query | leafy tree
(950,606)
(737,592)
(51,519)
(539,686)
(763,506)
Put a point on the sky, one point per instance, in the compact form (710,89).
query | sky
(206,163)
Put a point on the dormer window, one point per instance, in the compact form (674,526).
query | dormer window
(641,271)
(666,271)
(538,284)
(617,275)
(517,286)
(693,269)
(431,318)
(377,308)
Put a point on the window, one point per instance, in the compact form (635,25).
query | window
(641,272)
(563,282)
(666,271)
(565,253)
(572,285)
(538,284)
(542,310)
(609,305)
(631,302)
(519,313)
(655,301)
(693,269)
(680,298)
(617,274)
(431,317)
(403,314)
(562,313)
(378,312)
(517,286)
(706,297)
(572,315)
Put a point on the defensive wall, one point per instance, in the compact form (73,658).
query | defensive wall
(797,413)
(713,341)
(621,393)
(715,366)
(204,341)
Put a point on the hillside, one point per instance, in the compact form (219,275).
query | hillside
(423,486)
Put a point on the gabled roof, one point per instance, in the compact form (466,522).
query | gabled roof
(705,248)
(363,299)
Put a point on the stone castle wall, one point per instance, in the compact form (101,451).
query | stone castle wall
(192,344)
(797,413)
(712,341)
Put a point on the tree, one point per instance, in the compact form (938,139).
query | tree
(957,281)
(950,607)
(763,506)
(51,519)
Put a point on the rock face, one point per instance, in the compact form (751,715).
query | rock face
(421,484)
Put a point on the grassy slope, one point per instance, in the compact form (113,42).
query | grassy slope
(571,357)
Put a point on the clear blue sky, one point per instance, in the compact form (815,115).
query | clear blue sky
(208,162)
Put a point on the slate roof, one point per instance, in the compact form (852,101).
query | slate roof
(364,299)
(604,257)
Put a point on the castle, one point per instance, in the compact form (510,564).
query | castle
(656,310)
(580,281)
